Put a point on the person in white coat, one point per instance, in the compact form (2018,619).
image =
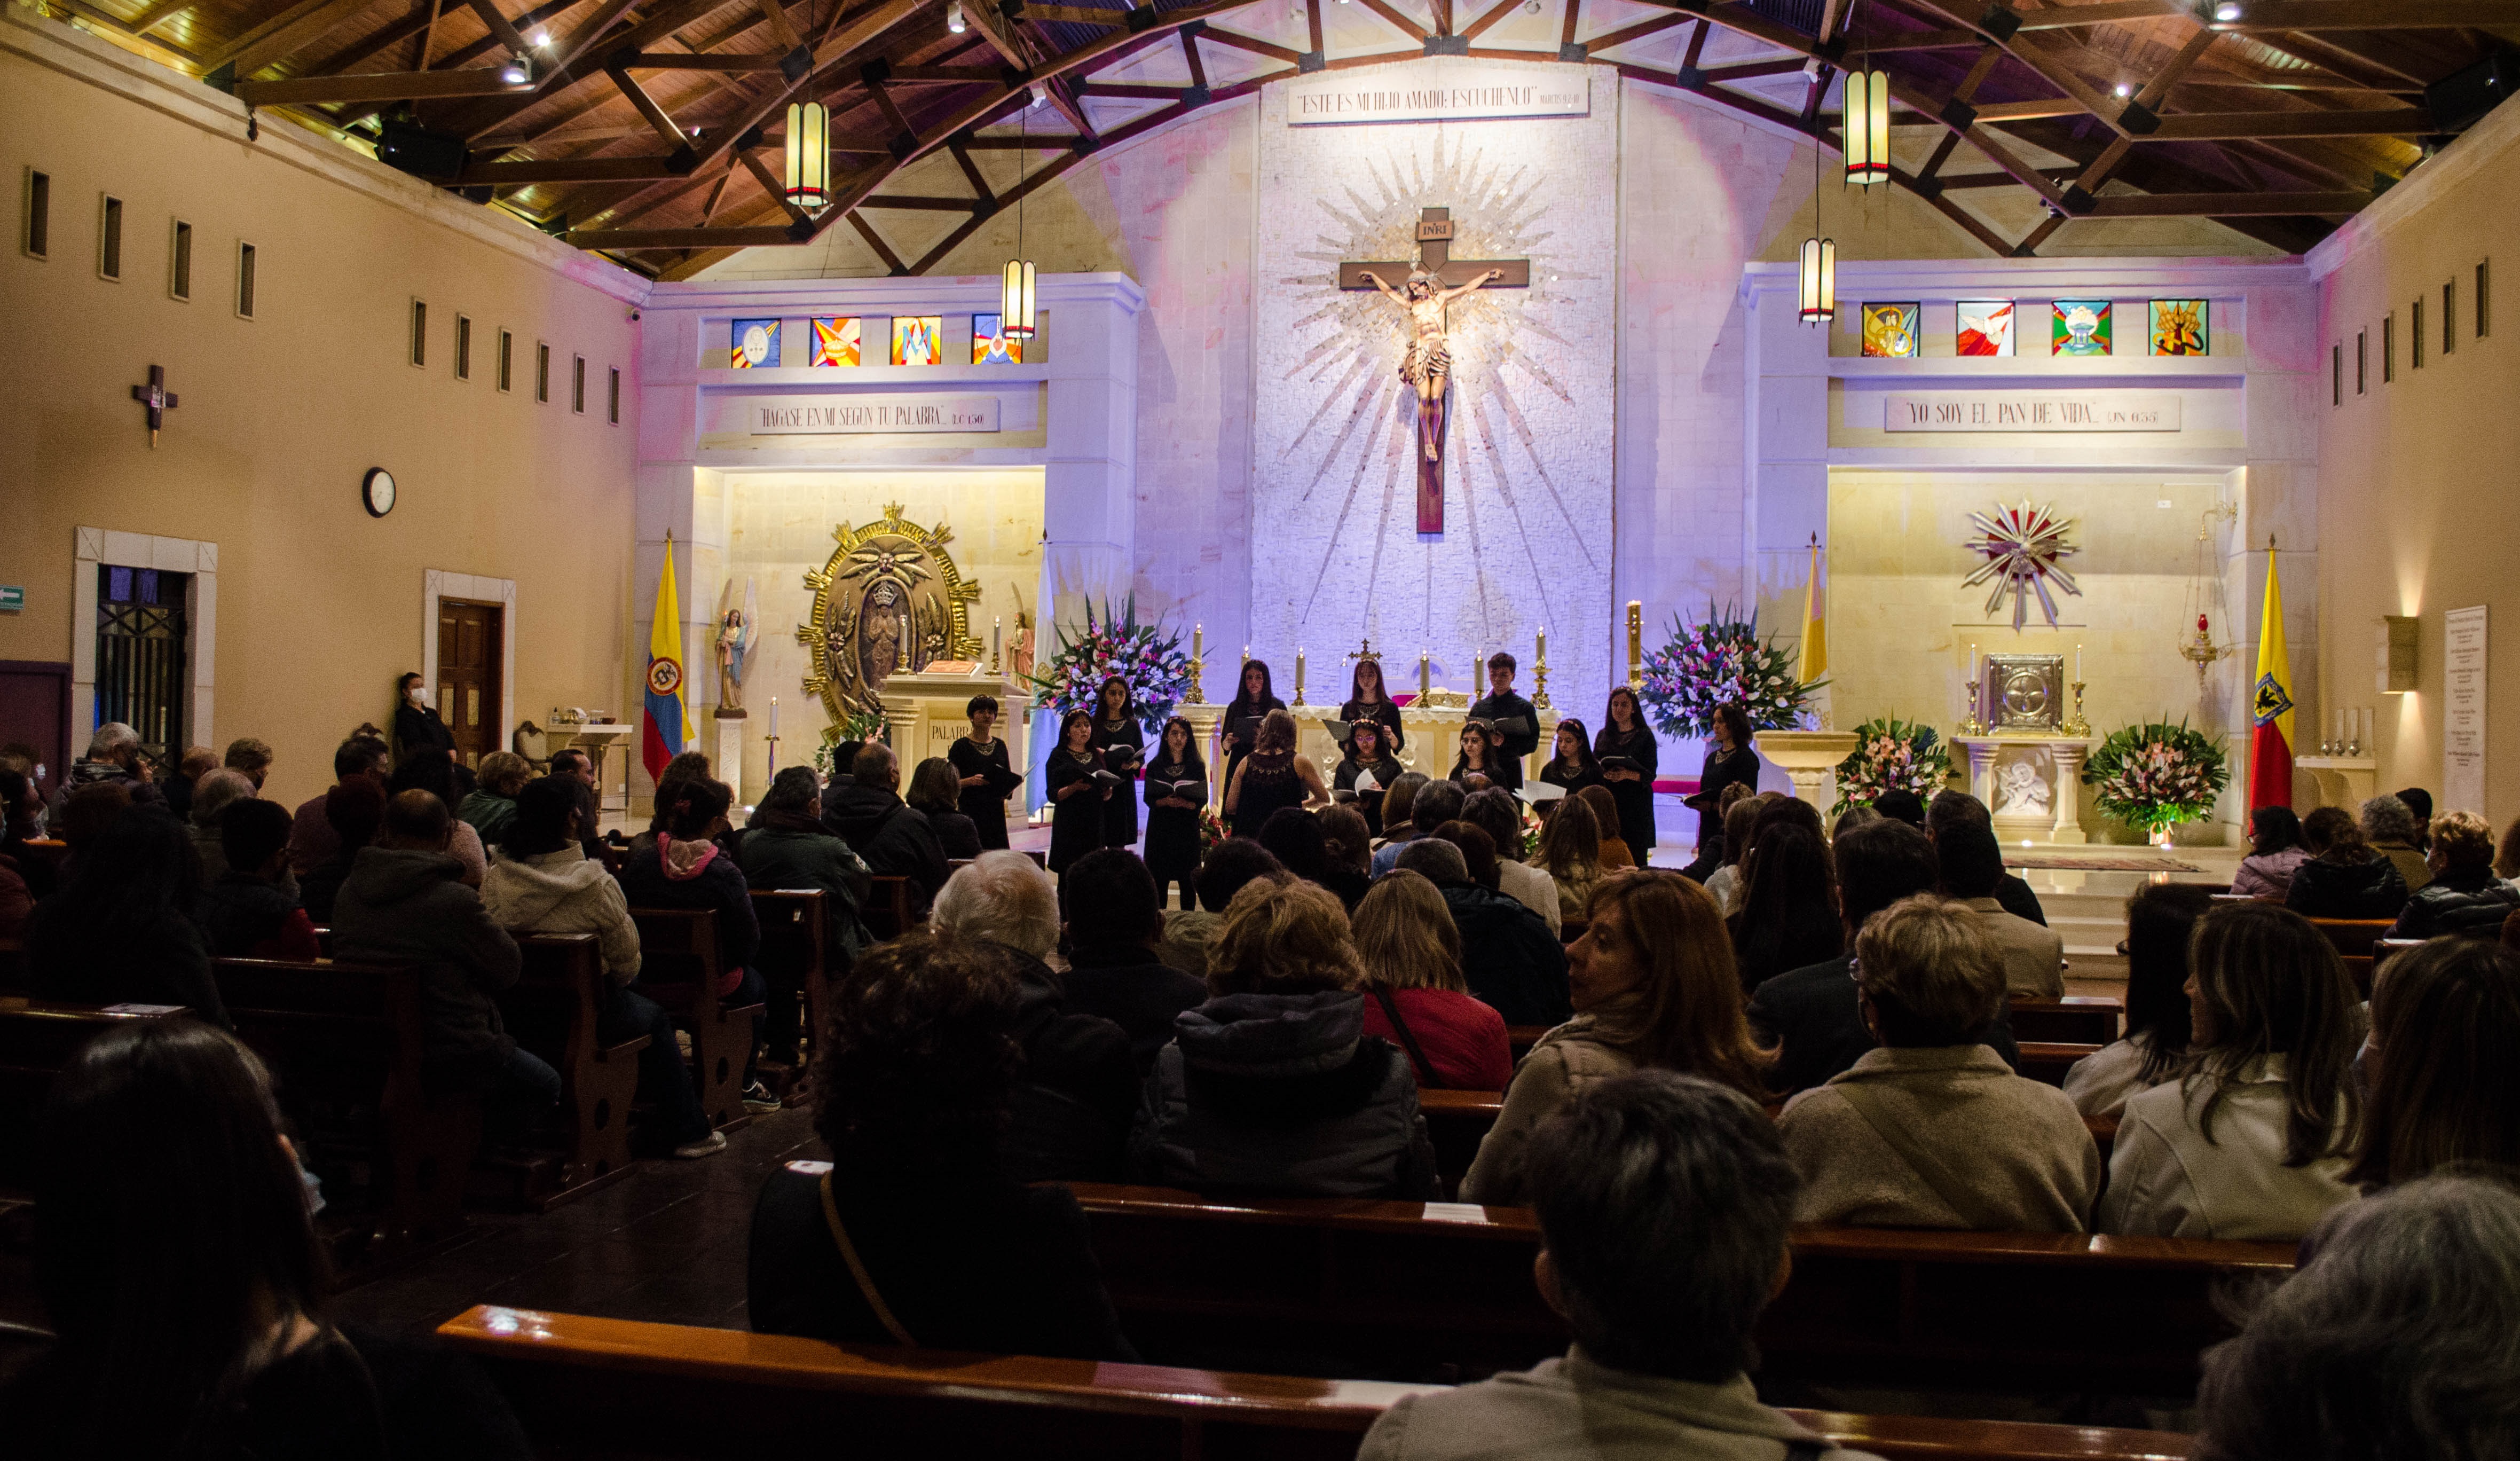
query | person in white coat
(2251,1142)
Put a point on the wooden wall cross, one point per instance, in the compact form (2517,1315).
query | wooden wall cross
(157,398)
(1425,289)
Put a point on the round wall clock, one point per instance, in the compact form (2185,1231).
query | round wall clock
(376,492)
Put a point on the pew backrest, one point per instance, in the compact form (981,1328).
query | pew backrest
(2075,1020)
(600,1388)
(38,1040)
(889,912)
(796,933)
(2353,936)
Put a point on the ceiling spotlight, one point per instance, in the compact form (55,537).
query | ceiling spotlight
(954,19)
(1039,94)
(541,40)
(2226,12)
(518,72)
(2124,90)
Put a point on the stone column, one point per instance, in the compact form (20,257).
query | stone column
(2067,757)
(1981,772)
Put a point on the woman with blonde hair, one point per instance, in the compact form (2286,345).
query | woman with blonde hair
(1290,1097)
(1272,776)
(1653,985)
(1416,995)
(1570,852)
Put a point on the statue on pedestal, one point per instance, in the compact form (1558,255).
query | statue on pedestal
(738,630)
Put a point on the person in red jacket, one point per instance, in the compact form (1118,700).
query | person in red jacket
(1416,995)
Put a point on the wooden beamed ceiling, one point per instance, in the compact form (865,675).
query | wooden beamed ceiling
(653,130)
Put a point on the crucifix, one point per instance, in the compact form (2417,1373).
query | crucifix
(157,398)
(1437,280)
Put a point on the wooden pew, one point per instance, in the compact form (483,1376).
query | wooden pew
(677,969)
(888,913)
(2075,1020)
(1519,1039)
(345,1044)
(38,1042)
(551,1013)
(2047,1061)
(1383,1288)
(1457,1122)
(599,1389)
(2353,936)
(796,932)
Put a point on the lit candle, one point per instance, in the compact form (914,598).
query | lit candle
(1425,676)
(774,716)
(2078,663)
(996,640)
(1543,643)
(1972,663)
(1197,641)
(1299,671)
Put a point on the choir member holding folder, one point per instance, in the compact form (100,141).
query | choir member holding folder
(1512,719)
(980,760)
(1123,744)
(1368,701)
(1572,766)
(1078,788)
(1239,726)
(1483,754)
(1728,758)
(1366,770)
(1176,790)
(1628,759)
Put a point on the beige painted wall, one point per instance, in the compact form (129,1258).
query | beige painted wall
(2416,512)
(319,605)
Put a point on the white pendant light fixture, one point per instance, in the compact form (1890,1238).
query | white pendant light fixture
(809,155)
(1817,279)
(1865,115)
(1015,313)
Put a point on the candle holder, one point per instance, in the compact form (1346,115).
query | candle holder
(2075,724)
(1300,677)
(1197,695)
(773,743)
(1972,726)
(1540,680)
(1425,678)
(1636,644)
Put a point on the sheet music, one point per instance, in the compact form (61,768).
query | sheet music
(1542,790)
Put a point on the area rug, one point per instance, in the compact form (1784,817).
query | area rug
(2100,862)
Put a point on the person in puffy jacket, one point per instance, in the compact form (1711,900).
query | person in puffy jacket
(405,903)
(2464,896)
(1272,1087)
(894,838)
(541,883)
(2343,876)
(678,866)
(251,911)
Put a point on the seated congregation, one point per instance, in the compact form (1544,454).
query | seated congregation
(1680,1088)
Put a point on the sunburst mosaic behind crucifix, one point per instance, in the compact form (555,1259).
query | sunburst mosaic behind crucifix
(1526,465)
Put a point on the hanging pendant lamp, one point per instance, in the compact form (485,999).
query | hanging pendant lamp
(1015,300)
(809,155)
(1865,121)
(1816,280)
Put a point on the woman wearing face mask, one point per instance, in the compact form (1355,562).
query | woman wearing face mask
(417,726)
(1653,985)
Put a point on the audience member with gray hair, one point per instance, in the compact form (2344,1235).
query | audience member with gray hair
(1664,1202)
(2398,1337)
(893,837)
(212,795)
(1078,1089)
(1932,1129)
(113,754)
(2390,829)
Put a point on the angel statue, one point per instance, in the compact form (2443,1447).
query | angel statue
(1428,365)
(738,630)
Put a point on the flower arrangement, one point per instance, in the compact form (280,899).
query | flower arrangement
(1891,755)
(1211,829)
(1149,656)
(857,725)
(2156,776)
(1721,658)
(1530,839)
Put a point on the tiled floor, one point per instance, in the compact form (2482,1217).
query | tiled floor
(665,1244)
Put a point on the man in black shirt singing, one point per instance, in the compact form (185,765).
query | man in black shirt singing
(1510,713)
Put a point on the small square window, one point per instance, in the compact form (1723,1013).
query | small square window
(179,262)
(542,373)
(38,239)
(244,281)
(419,332)
(462,348)
(507,361)
(613,395)
(109,241)
(577,383)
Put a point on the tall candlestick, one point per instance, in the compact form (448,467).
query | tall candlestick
(1972,663)
(1299,674)
(996,642)
(1635,643)
(1197,640)
(774,714)
(1543,642)
(2078,661)
(1426,677)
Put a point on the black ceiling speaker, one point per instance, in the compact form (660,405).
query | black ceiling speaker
(2461,99)
(421,153)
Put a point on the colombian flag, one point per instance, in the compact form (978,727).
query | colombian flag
(2270,750)
(664,728)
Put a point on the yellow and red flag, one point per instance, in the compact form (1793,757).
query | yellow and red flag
(2270,747)
(665,726)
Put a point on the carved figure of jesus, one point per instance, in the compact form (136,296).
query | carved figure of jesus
(1428,365)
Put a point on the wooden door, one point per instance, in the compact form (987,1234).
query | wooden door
(35,711)
(470,640)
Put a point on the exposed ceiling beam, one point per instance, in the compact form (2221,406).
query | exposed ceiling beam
(2201,127)
(374,86)
(2225,205)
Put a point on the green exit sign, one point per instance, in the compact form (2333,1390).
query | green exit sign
(12,598)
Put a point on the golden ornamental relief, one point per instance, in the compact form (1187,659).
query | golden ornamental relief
(890,600)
